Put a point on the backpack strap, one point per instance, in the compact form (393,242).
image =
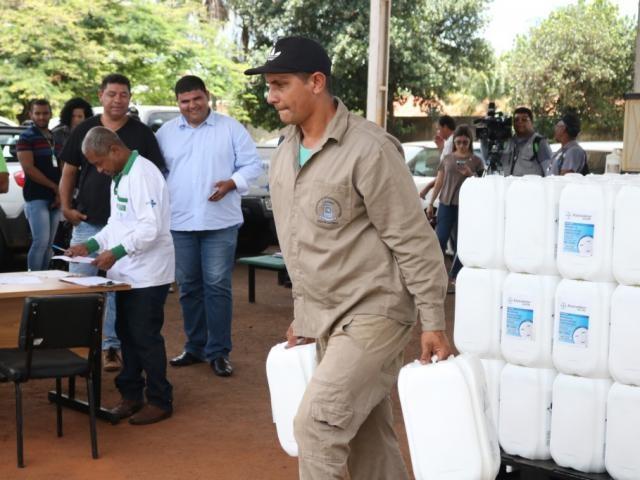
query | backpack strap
(536,148)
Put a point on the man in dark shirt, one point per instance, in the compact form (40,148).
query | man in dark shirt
(36,153)
(89,210)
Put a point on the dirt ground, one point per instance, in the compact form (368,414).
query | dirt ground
(221,427)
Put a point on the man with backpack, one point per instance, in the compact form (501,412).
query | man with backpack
(571,158)
(527,152)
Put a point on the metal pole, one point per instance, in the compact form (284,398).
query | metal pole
(636,66)
(378,77)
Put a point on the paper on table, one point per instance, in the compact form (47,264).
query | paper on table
(91,281)
(73,259)
(18,280)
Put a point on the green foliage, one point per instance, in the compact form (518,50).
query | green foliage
(431,42)
(58,49)
(580,57)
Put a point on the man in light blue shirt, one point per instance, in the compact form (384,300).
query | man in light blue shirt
(211,160)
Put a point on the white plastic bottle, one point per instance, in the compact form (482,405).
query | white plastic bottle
(581,328)
(477,318)
(481,222)
(531,224)
(288,373)
(624,344)
(525,411)
(492,373)
(527,319)
(626,236)
(623,432)
(612,162)
(578,422)
(585,229)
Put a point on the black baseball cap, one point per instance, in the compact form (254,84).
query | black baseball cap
(295,55)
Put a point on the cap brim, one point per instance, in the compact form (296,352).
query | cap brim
(270,69)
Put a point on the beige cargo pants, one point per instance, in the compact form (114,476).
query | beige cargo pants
(345,418)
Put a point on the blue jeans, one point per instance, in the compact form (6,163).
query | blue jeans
(447,222)
(81,233)
(43,222)
(204,264)
(139,325)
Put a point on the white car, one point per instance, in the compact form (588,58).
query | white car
(5,122)
(14,229)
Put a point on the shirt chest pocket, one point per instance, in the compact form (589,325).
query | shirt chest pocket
(122,202)
(329,204)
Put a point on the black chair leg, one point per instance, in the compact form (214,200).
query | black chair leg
(58,405)
(92,417)
(19,425)
(72,387)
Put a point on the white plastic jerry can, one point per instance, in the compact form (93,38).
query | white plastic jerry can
(288,373)
(492,373)
(525,411)
(477,316)
(581,328)
(531,224)
(626,236)
(623,432)
(578,422)
(585,229)
(527,319)
(624,343)
(481,222)
(447,417)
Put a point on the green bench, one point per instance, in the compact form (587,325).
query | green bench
(264,262)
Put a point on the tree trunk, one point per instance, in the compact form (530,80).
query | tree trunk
(216,10)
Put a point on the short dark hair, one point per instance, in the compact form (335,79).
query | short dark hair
(39,101)
(67,111)
(115,78)
(524,110)
(571,123)
(189,83)
(447,121)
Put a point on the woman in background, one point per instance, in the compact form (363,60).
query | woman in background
(454,169)
(74,112)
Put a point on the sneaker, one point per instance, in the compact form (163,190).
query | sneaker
(111,361)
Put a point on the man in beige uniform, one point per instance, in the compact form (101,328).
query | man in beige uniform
(363,262)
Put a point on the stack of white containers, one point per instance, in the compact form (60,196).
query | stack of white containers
(582,318)
(479,283)
(555,332)
(531,217)
(623,406)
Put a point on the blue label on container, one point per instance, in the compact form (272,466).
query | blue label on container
(578,238)
(520,322)
(574,329)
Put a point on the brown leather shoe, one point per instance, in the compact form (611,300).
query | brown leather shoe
(126,408)
(150,414)
(111,361)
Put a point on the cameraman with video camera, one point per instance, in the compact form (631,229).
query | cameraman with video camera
(527,152)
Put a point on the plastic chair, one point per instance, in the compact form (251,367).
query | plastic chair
(50,327)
